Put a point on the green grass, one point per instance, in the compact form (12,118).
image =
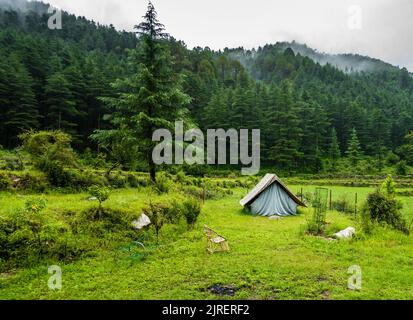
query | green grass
(268,259)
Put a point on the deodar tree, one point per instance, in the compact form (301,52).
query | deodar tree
(150,98)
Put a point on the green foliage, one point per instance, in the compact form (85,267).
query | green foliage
(151,98)
(406,150)
(388,187)
(354,150)
(102,222)
(157,213)
(163,184)
(5,182)
(28,235)
(334,151)
(191,209)
(48,147)
(392,159)
(100,193)
(316,224)
(382,207)
(401,168)
(59,83)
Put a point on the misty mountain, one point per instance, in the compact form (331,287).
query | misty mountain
(348,63)
(61,75)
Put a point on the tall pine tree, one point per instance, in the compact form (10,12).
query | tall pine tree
(354,152)
(149,99)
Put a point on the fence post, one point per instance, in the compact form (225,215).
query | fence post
(355,206)
(203,193)
(331,203)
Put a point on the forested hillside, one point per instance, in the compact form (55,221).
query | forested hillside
(307,111)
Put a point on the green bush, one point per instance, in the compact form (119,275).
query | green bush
(383,208)
(163,184)
(49,146)
(401,168)
(117,180)
(56,174)
(392,159)
(101,222)
(27,236)
(33,181)
(11,162)
(191,209)
(157,213)
(5,182)
(100,193)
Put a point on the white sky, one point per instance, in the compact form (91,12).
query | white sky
(386,32)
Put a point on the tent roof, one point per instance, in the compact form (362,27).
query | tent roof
(265,182)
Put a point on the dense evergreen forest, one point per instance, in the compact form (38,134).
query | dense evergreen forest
(307,111)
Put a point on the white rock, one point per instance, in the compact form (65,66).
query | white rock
(142,222)
(346,233)
(275,218)
(92,199)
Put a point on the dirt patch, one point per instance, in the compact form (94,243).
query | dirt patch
(223,290)
(326,295)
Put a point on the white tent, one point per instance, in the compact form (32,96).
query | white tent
(271,197)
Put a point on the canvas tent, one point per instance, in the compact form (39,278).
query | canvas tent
(271,197)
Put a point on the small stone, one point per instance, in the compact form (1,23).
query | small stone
(275,218)
(142,222)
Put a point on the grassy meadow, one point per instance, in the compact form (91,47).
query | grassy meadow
(269,259)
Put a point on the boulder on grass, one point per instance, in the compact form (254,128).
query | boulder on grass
(142,222)
(346,233)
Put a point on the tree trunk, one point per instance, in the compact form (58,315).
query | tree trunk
(112,168)
(152,171)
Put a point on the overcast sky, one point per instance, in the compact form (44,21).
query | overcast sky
(333,26)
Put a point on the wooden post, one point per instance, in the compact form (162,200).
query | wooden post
(355,206)
(331,202)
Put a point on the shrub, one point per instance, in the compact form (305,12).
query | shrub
(191,209)
(401,168)
(100,193)
(193,191)
(180,177)
(389,186)
(157,213)
(49,146)
(99,222)
(173,211)
(163,184)
(5,182)
(383,208)
(135,181)
(117,181)
(11,162)
(33,181)
(56,174)
(392,159)
(28,235)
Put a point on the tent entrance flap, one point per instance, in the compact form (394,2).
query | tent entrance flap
(274,201)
